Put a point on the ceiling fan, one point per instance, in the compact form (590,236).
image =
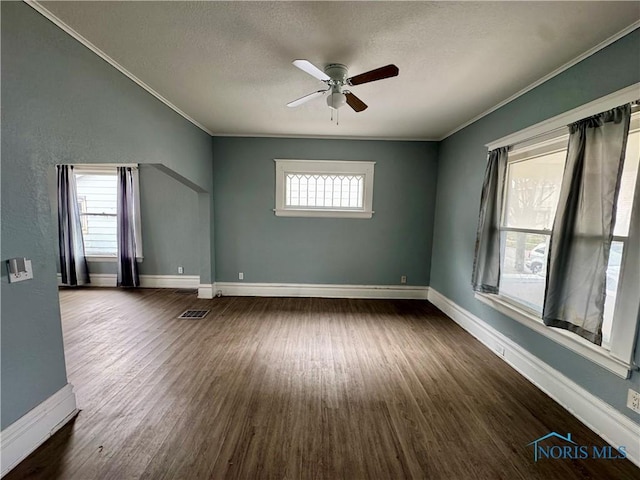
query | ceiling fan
(335,77)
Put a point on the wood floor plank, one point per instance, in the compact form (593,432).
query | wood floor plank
(293,388)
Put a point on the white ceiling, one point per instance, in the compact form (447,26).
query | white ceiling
(227,65)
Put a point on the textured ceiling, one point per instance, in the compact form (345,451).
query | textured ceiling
(228,64)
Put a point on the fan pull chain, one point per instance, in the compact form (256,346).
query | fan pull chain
(337,113)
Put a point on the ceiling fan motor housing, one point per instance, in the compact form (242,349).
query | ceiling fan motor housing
(337,72)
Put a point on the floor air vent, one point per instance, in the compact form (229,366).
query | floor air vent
(193,314)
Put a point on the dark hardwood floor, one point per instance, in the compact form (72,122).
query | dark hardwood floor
(294,388)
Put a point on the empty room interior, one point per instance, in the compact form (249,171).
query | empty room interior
(320,240)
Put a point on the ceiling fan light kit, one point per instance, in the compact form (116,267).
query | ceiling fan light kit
(336,76)
(336,100)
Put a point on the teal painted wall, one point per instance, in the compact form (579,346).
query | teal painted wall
(169,215)
(63,104)
(249,238)
(462,162)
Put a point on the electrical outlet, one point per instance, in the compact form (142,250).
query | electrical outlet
(403,279)
(633,400)
(500,349)
(240,276)
(180,270)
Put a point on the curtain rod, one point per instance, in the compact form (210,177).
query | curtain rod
(100,165)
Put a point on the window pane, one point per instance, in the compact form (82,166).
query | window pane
(524,267)
(533,186)
(613,274)
(97,199)
(100,237)
(324,191)
(627,185)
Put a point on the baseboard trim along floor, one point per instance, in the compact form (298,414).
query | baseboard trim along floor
(599,416)
(31,430)
(146,281)
(242,289)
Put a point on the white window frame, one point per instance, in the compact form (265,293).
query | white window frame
(619,358)
(111,169)
(324,167)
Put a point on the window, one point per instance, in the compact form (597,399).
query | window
(98,208)
(532,184)
(97,202)
(319,188)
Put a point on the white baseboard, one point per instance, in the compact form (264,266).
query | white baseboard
(169,281)
(97,280)
(206,291)
(241,289)
(613,426)
(146,281)
(31,430)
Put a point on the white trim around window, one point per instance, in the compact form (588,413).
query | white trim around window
(361,205)
(573,342)
(619,358)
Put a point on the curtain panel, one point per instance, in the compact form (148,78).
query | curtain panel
(485,276)
(583,227)
(73,263)
(126,231)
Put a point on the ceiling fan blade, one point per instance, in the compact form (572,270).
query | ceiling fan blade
(354,102)
(373,75)
(311,69)
(306,98)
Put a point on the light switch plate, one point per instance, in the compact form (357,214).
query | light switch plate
(22,276)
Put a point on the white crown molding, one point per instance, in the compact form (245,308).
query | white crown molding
(36,5)
(557,71)
(326,137)
(31,430)
(146,281)
(612,425)
(615,99)
(242,289)
(41,9)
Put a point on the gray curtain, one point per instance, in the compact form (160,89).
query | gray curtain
(127,265)
(73,263)
(486,264)
(583,227)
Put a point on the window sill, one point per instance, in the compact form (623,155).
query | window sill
(101,258)
(569,340)
(292,212)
